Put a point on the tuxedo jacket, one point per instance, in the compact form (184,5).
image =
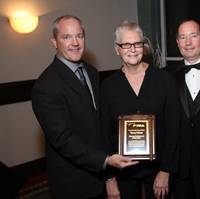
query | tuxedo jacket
(189,124)
(71,126)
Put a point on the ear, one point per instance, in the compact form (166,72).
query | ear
(54,42)
(116,49)
(177,42)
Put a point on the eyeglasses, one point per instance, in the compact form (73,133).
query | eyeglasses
(139,44)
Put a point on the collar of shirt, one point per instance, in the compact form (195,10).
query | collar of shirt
(193,69)
(188,63)
(73,66)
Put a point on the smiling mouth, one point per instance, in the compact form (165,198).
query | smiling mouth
(132,55)
(189,49)
(74,50)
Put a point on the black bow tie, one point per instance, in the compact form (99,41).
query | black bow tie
(187,68)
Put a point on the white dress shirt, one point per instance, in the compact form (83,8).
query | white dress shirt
(192,79)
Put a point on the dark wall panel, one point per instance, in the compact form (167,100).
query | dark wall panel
(13,92)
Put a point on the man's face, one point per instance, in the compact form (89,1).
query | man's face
(133,55)
(70,41)
(188,41)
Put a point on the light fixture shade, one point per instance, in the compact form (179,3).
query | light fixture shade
(24,24)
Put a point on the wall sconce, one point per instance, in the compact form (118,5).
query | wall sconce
(23,22)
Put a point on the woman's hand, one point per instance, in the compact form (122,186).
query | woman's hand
(161,185)
(112,189)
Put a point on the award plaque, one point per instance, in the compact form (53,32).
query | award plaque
(137,136)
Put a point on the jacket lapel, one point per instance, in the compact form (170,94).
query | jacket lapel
(71,79)
(182,90)
(197,103)
(94,84)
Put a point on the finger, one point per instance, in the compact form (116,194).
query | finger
(123,164)
(157,192)
(135,162)
(167,190)
(164,192)
(163,196)
(126,159)
(117,196)
(131,163)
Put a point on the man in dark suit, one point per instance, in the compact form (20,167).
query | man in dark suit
(187,79)
(65,102)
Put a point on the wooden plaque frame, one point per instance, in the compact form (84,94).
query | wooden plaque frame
(137,136)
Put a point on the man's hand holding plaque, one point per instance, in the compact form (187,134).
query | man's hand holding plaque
(137,136)
(119,161)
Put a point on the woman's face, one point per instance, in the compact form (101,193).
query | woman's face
(133,55)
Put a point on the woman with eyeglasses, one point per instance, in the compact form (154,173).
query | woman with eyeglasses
(140,88)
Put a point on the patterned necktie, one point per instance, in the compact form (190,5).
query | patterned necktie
(81,75)
(187,68)
(83,80)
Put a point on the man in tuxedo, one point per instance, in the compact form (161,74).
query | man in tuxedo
(187,79)
(65,102)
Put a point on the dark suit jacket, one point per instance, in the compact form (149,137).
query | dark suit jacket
(71,126)
(189,126)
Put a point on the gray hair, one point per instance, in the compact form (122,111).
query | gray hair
(55,28)
(149,55)
(126,25)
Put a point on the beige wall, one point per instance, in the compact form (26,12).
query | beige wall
(24,57)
